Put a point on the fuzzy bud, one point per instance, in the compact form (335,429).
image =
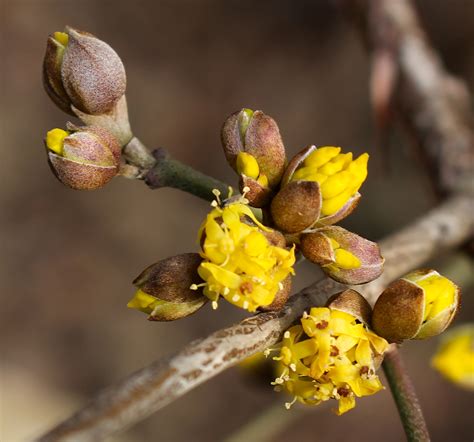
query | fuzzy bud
(253,147)
(166,288)
(82,71)
(420,305)
(296,206)
(83,158)
(343,256)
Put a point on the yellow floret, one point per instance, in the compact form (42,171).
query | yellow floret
(55,140)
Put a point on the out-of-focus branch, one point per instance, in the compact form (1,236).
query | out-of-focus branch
(153,387)
(408,75)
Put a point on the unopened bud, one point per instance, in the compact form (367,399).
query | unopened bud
(253,147)
(420,305)
(343,255)
(296,206)
(83,158)
(169,289)
(82,71)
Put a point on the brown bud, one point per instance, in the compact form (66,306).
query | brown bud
(82,71)
(420,305)
(256,194)
(352,302)
(165,292)
(83,158)
(296,206)
(343,255)
(258,135)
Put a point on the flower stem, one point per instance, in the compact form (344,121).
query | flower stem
(405,397)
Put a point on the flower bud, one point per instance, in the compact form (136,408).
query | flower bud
(296,206)
(420,305)
(454,358)
(166,289)
(338,175)
(253,147)
(343,255)
(82,71)
(83,158)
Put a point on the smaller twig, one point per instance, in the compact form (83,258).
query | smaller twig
(168,172)
(405,397)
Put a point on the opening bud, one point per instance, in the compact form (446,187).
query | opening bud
(82,71)
(338,175)
(420,305)
(353,303)
(343,255)
(253,147)
(169,289)
(83,158)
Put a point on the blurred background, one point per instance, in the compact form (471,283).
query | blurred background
(68,257)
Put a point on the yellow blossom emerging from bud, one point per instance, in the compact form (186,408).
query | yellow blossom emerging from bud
(455,356)
(330,355)
(420,305)
(239,262)
(339,176)
(55,140)
(247,165)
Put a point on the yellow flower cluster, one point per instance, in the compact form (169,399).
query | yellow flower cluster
(339,176)
(329,355)
(239,263)
(455,356)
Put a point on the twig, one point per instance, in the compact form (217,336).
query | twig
(153,387)
(405,397)
(433,103)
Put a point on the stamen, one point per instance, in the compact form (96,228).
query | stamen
(289,404)
(245,305)
(214,305)
(214,203)
(293,367)
(235,298)
(286,334)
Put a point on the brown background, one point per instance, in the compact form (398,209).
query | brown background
(69,257)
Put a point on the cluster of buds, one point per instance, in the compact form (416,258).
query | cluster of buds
(304,198)
(248,260)
(85,78)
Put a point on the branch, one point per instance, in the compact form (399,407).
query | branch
(154,387)
(408,74)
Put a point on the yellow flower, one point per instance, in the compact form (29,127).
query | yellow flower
(455,356)
(339,176)
(239,263)
(329,355)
